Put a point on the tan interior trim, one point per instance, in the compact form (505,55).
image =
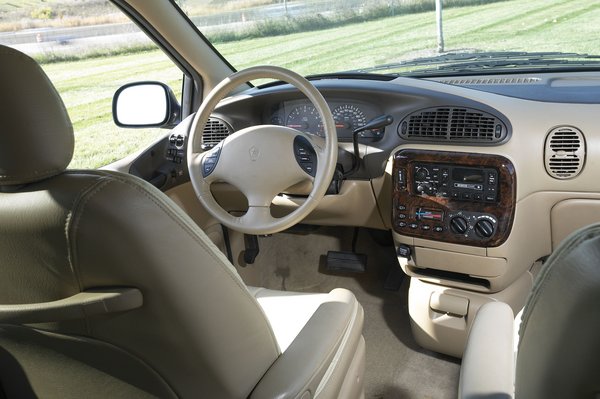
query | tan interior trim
(89,303)
(439,324)
(572,214)
(461,263)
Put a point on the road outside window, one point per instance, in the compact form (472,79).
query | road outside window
(89,49)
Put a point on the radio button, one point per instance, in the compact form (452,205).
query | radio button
(425,227)
(490,197)
(466,196)
(455,194)
(438,229)
(413,225)
(478,197)
(402,178)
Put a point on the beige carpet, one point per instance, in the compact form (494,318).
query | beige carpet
(395,367)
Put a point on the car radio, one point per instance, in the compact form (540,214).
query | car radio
(456,182)
(461,198)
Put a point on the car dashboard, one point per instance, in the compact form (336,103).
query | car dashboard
(477,178)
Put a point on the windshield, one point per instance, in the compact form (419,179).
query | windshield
(328,36)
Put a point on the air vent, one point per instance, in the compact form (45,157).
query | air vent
(450,124)
(492,81)
(214,132)
(564,154)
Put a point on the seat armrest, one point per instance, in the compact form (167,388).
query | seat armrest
(488,365)
(302,366)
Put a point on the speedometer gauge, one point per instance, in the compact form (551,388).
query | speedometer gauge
(347,118)
(306,119)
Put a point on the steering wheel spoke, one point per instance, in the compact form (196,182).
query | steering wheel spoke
(257,215)
(263,161)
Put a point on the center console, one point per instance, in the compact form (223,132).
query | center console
(460,198)
(449,209)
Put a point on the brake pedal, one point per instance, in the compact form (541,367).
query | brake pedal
(251,248)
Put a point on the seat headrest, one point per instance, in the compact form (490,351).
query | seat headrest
(36,135)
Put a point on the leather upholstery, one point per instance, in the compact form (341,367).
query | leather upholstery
(36,136)
(558,337)
(325,323)
(558,344)
(488,364)
(38,364)
(199,328)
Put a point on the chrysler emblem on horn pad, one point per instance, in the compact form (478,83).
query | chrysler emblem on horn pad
(254,153)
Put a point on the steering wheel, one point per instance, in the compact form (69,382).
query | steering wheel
(263,160)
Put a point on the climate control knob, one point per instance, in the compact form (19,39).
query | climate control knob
(459,225)
(484,228)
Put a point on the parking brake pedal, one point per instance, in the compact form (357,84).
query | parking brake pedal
(251,248)
(344,261)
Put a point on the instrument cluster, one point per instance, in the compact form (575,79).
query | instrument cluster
(348,116)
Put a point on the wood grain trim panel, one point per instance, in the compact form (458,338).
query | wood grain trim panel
(503,209)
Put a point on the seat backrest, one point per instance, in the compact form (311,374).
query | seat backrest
(62,233)
(559,334)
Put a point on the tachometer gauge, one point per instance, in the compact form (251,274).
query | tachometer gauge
(347,118)
(306,119)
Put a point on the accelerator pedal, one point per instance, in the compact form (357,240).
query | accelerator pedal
(345,262)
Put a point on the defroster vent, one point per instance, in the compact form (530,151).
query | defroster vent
(564,154)
(214,132)
(453,124)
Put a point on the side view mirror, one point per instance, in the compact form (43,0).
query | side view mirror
(145,104)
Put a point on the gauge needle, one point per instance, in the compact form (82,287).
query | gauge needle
(294,126)
(339,125)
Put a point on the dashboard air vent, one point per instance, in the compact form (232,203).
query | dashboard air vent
(564,154)
(492,81)
(452,124)
(214,132)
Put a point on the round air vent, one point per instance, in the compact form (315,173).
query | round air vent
(564,154)
(214,132)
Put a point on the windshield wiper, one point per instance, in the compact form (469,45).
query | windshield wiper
(489,61)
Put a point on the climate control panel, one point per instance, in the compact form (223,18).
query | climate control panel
(463,198)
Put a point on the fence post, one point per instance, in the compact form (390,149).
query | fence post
(440,33)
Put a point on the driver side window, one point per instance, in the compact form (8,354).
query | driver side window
(89,50)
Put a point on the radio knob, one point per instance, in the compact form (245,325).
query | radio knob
(458,225)
(484,228)
(420,188)
(421,174)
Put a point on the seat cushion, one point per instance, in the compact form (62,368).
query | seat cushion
(321,342)
(287,312)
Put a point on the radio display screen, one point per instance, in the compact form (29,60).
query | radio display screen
(468,175)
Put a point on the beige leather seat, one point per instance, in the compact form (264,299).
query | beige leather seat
(107,289)
(558,340)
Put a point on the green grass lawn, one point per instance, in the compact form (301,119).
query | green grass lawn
(549,25)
